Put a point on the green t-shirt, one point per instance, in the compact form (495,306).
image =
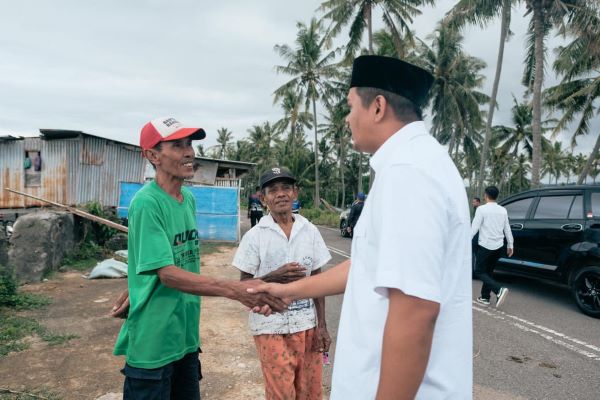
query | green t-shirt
(163,323)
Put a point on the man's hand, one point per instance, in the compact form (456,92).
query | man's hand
(509,252)
(121,307)
(322,340)
(289,272)
(257,300)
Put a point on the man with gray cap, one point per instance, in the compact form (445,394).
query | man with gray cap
(405,329)
(160,337)
(355,212)
(289,344)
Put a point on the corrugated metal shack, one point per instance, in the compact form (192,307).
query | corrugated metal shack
(65,166)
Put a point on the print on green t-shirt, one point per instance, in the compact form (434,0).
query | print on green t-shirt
(163,323)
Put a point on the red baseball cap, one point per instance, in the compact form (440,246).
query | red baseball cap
(166,129)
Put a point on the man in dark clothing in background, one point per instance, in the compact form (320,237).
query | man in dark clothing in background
(355,211)
(255,211)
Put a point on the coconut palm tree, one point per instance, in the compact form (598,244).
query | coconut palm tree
(455,96)
(554,162)
(579,91)
(313,73)
(545,15)
(397,15)
(224,137)
(482,13)
(518,138)
(263,139)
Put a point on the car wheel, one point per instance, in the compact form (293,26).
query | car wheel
(343,225)
(586,290)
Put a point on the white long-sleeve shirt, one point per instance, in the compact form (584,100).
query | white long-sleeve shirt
(491,221)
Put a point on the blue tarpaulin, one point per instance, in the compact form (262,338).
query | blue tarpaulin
(217,214)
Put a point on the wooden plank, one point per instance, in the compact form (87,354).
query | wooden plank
(75,211)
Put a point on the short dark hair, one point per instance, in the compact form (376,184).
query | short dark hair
(492,192)
(477,198)
(404,109)
(257,188)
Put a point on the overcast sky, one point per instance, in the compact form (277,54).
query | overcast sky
(107,67)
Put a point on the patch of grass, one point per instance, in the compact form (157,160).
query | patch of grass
(84,257)
(10,296)
(14,329)
(7,394)
(321,217)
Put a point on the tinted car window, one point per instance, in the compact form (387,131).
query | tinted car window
(553,207)
(596,204)
(577,208)
(518,209)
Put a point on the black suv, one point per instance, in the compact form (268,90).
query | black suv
(557,237)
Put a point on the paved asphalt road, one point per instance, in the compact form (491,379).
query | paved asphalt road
(538,346)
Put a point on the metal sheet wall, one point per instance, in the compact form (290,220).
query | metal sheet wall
(64,178)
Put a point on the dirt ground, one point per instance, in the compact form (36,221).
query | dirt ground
(84,368)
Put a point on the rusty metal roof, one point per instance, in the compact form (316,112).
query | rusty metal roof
(54,134)
(10,137)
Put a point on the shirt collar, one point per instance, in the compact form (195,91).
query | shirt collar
(384,155)
(268,222)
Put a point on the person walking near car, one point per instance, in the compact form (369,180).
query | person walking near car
(355,212)
(491,222)
(291,344)
(255,211)
(405,328)
(160,337)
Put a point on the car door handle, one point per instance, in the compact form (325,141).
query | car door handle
(516,227)
(572,227)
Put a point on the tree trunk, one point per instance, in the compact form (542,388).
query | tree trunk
(342,163)
(536,127)
(317,197)
(588,166)
(506,9)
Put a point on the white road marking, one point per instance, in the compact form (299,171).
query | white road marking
(339,251)
(552,335)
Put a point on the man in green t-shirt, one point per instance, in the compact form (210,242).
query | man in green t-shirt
(160,337)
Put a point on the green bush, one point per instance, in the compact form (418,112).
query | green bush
(94,231)
(10,297)
(84,256)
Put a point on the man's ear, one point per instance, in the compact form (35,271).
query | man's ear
(151,155)
(380,105)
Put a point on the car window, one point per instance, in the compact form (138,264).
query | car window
(518,209)
(596,204)
(553,207)
(577,208)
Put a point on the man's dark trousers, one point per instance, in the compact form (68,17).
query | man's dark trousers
(255,216)
(178,380)
(484,267)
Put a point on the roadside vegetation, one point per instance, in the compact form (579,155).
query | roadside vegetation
(15,328)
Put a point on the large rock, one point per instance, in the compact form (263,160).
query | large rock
(39,242)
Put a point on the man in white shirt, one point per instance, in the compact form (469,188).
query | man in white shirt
(284,247)
(491,221)
(406,324)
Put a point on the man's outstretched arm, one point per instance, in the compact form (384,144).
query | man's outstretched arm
(333,281)
(200,285)
(407,339)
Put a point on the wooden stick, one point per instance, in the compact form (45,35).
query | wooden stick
(329,206)
(75,211)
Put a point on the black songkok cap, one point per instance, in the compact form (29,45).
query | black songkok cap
(393,75)
(275,173)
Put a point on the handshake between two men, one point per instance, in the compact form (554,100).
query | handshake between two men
(258,294)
